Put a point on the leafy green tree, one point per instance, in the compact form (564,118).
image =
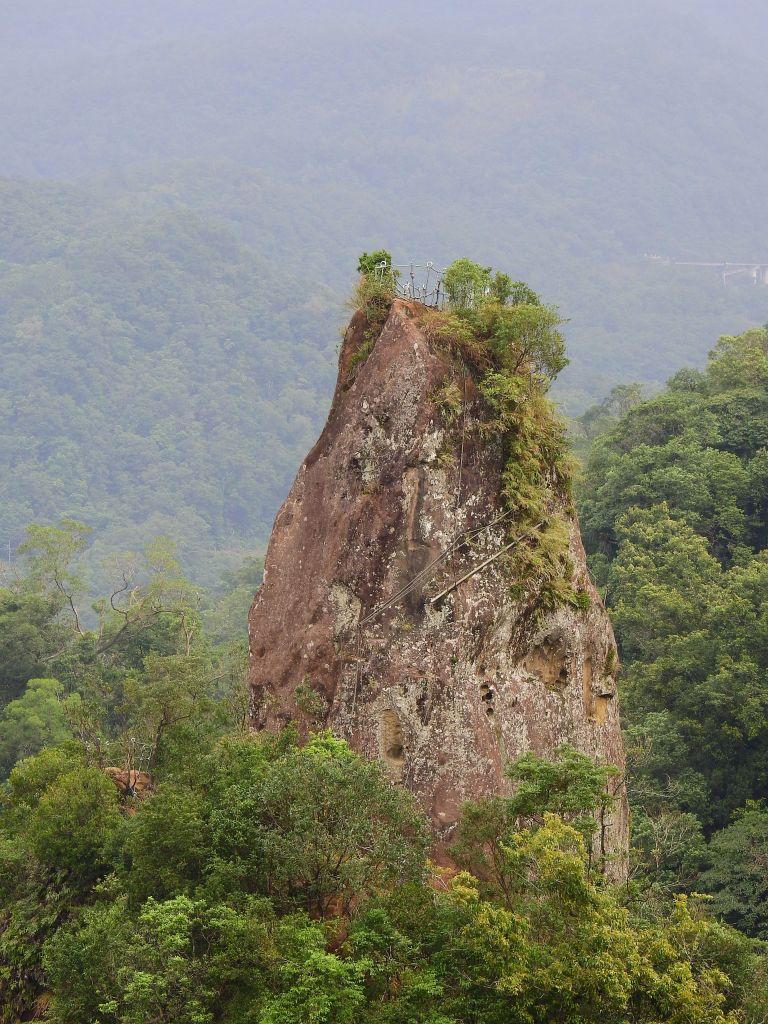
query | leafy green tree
(737,875)
(692,447)
(35,720)
(31,630)
(467,283)
(177,960)
(50,552)
(558,948)
(525,337)
(167,844)
(319,828)
(570,786)
(73,823)
(692,635)
(522,294)
(377,260)
(318,986)
(674,517)
(668,851)
(502,287)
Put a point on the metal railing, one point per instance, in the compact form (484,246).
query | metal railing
(423,282)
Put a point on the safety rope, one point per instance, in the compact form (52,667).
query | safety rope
(492,558)
(420,577)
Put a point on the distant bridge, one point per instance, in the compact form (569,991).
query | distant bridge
(757,271)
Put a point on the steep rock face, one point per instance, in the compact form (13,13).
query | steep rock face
(445,693)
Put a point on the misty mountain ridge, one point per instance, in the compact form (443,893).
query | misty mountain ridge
(560,144)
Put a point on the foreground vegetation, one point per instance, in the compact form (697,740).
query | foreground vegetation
(257,880)
(269,883)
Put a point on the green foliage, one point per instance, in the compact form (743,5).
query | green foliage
(31,629)
(668,850)
(570,786)
(319,829)
(378,260)
(699,447)
(194,907)
(467,284)
(152,348)
(525,337)
(73,822)
(448,400)
(174,961)
(552,946)
(35,720)
(536,486)
(453,333)
(675,521)
(604,415)
(503,288)
(737,873)
(373,296)
(310,702)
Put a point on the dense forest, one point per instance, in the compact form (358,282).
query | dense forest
(167,376)
(160,863)
(165,379)
(674,512)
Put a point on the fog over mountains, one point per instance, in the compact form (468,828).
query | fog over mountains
(559,142)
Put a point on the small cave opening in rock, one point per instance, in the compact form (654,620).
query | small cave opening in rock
(549,664)
(487,696)
(392,742)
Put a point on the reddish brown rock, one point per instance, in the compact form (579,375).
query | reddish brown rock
(130,783)
(444,694)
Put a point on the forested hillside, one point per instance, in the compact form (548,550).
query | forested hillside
(562,142)
(674,512)
(226,164)
(161,378)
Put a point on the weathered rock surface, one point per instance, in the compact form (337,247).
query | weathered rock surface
(445,695)
(130,783)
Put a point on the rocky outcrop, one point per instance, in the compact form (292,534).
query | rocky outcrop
(445,692)
(130,783)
